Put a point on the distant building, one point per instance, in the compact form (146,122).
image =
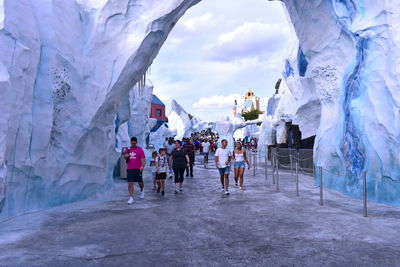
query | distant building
(157,110)
(250,102)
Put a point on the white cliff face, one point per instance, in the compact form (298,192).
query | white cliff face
(179,121)
(348,64)
(139,124)
(282,108)
(198,125)
(227,126)
(157,138)
(62,80)
(133,117)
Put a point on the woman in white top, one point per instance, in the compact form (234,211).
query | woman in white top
(240,158)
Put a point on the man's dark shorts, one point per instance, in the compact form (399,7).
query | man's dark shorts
(135,176)
(161,176)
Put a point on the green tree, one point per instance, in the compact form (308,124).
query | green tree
(251,115)
(190,116)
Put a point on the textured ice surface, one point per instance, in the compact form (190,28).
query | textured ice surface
(179,121)
(132,116)
(349,65)
(281,108)
(227,126)
(157,138)
(67,66)
(65,69)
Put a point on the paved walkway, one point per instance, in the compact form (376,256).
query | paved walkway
(203,227)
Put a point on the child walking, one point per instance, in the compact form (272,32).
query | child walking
(154,168)
(162,168)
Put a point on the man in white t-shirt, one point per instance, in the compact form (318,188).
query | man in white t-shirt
(223,161)
(206,151)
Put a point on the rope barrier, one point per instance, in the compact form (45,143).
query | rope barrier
(388,179)
(284,165)
(299,159)
(307,170)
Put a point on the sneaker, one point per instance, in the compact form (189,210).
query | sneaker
(176,191)
(142,194)
(227,192)
(158,190)
(162,193)
(181,189)
(223,189)
(241,189)
(131,200)
(236,185)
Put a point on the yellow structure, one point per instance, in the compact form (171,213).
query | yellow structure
(250,102)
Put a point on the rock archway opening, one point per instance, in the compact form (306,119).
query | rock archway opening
(66,77)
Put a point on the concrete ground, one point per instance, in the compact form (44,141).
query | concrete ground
(203,227)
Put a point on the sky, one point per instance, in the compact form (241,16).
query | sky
(219,50)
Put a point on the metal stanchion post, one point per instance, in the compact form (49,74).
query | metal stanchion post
(255,159)
(313,170)
(266,163)
(266,154)
(291,161)
(297,179)
(321,198)
(365,210)
(277,172)
(298,157)
(250,158)
(254,163)
(273,165)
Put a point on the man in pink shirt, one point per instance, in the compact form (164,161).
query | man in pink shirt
(136,160)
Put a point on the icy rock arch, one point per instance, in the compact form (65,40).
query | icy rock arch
(62,80)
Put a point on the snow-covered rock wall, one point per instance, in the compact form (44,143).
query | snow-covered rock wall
(133,117)
(65,68)
(227,126)
(349,59)
(179,121)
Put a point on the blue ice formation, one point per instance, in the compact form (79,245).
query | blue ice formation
(66,68)
(288,70)
(302,62)
(349,59)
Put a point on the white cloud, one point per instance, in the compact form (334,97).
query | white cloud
(249,40)
(216,102)
(208,88)
(194,24)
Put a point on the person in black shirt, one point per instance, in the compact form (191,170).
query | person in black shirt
(179,161)
(190,151)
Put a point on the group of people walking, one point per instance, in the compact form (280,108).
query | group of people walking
(176,157)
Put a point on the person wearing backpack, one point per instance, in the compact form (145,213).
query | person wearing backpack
(162,168)
(153,167)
